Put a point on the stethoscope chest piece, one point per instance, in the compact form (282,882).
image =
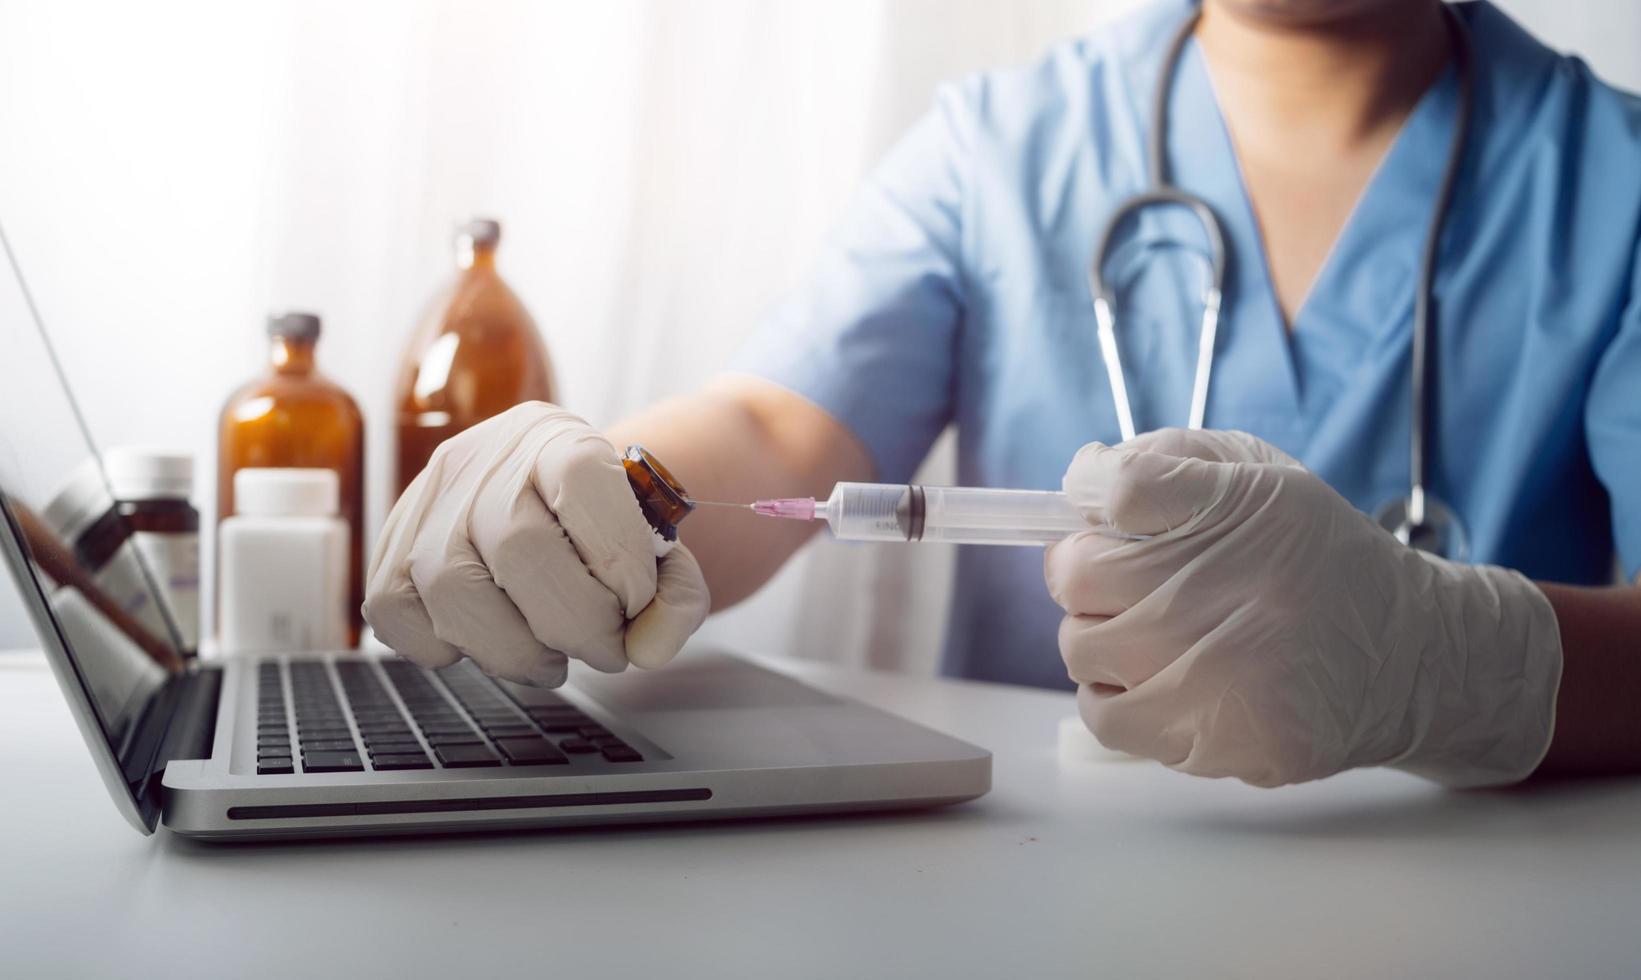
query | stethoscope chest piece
(1439,532)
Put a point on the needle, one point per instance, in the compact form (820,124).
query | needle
(719,503)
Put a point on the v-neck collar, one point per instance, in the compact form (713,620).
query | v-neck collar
(1363,292)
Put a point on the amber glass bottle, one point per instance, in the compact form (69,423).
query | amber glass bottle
(476,354)
(294,416)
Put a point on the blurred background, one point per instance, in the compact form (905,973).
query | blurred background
(664,171)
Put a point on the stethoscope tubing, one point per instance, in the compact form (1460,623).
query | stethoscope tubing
(1418,505)
(1105,316)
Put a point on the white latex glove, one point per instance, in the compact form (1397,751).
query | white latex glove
(1270,631)
(522,544)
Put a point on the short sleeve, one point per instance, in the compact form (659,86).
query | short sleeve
(872,337)
(1613,423)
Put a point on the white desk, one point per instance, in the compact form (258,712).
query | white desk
(1101,869)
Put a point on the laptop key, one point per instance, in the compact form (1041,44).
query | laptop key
(470,738)
(465,756)
(385,731)
(557,711)
(566,726)
(621,753)
(332,762)
(323,734)
(509,731)
(402,760)
(437,716)
(577,745)
(530,751)
(373,738)
(327,745)
(488,711)
(392,748)
(383,726)
(275,766)
(306,724)
(388,734)
(450,728)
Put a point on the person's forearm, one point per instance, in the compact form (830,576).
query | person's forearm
(737,440)
(1598,708)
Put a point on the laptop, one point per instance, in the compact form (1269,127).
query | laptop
(338,743)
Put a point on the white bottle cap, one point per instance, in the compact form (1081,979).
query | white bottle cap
(286,492)
(82,500)
(480,231)
(1078,744)
(141,473)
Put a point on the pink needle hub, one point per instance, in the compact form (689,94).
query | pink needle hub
(791,508)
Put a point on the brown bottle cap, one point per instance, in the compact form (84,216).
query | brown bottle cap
(665,504)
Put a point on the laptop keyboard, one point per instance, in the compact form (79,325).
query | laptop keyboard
(454,719)
(273,729)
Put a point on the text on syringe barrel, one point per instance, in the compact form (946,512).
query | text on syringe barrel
(868,511)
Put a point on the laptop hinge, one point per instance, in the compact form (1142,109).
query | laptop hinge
(178,723)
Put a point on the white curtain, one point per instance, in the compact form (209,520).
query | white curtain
(664,171)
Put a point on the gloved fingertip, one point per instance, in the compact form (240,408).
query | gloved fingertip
(545,672)
(1138,492)
(1102,713)
(656,635)
(431,654)
(679,608)
(1079,576)
(401,622)
(650,648)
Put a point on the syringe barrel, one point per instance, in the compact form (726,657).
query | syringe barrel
(973,515)
(954,515)
(869,511)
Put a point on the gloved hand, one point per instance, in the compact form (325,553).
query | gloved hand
(522,544)
(1270,631)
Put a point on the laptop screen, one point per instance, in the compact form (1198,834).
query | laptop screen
(88,590)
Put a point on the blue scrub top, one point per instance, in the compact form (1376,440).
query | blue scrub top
(956,291)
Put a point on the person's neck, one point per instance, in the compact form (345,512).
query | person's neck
(1344,82)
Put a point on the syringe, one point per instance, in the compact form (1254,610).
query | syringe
(956,515)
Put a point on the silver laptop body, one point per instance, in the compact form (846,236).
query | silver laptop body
(374,745)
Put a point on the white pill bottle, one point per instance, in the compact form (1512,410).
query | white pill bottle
(283,563)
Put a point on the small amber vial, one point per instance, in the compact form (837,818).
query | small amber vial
(664,502)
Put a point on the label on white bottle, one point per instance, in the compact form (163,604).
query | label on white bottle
(283,583)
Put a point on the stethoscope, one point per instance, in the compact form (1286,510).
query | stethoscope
(1419,519)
